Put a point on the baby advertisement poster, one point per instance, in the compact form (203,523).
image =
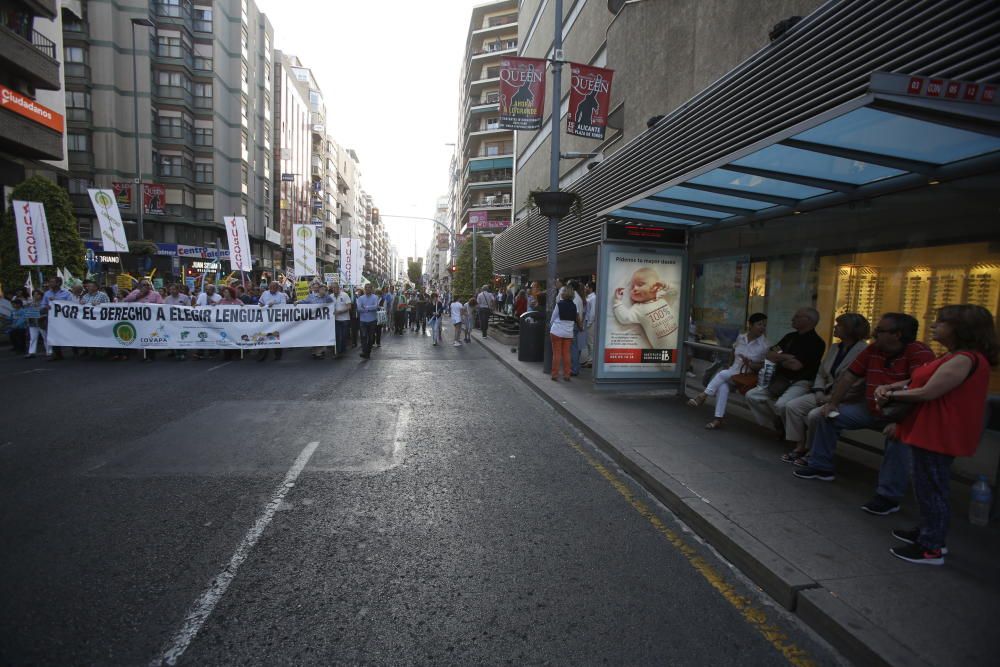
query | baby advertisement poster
(642,312)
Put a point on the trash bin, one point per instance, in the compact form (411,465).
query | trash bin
(531,341)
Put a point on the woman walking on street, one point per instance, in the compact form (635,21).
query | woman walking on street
(947,421)
(456,320)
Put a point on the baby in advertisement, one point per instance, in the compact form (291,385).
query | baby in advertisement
(650,308)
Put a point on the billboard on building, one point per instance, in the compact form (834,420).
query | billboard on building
(478,219)
(123,194)
(640,312)
(522,93)
(443,241)
(154,198)
(589,101)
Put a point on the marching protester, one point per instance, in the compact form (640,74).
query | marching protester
(36,325)
(341,318)
(228,297)
(53,294)
(175,297)
(316,297)
(438,310)
(18,327)
(367,316)
(208,297)
(144,293)
(272,297)
(355,322)
(92,296)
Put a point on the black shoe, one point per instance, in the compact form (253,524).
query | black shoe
(814,473)
(365,356)
(880,505)
(910,537)
(914,553)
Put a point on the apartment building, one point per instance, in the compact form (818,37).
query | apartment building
(205,120)
(437,258)
(486,151)
(32,111)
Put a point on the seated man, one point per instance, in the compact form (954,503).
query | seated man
(891,358)
(797,357)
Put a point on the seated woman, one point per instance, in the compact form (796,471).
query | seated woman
(748,357)
(852,330)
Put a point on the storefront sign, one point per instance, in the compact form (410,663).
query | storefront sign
(109,259)
(110,220)
(934,88)
(159,326)
(351,261)
(641,312)
(32,233)
(203,267)
(154,197)
(123,194)
(304,249)
(239,243)
(202,253)
(522,93)
(25,106)
(589,101)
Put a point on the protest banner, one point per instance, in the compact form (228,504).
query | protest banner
(304,248)
(239,243)
(110,220)
(151,326)
(32,233)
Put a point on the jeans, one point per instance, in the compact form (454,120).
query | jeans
(892,475)
(367,336)
(484,320)
(560,355)
(578,344)
(931,472)
(340,334)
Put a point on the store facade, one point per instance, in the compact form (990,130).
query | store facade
(852,165)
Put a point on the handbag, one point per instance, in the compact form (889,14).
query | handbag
(745,380)
(778,385)
(381,317)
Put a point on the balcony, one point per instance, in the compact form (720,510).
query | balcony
(32,140)
(495,23)
(174,13)
(174,134)
(77,115)
(173,94)
(80,160)
(492,202)
(175,171)
(31,55)
(77,72)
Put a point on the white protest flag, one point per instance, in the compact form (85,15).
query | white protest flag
(33,233)
(351,261)
(239,243)
(304,245)
(110,219)
(28,285)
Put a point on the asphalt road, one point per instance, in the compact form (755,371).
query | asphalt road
(423,507)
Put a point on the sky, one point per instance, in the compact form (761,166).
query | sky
(389,71)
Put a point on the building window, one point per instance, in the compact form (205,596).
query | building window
(173,79)
(204,215)
(245,178)
(172,127)
(245,76)
(79,186)
(245,43)
(77,142)
(244,111)
(492,98)
(86,227)
(204,172)
(203,136)
(75,54)
(171,165)
(203,63)
(203,95)
(203,19)
(169,46)
(77,105)
(175,8)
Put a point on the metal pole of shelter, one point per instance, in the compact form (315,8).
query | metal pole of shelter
(550,274)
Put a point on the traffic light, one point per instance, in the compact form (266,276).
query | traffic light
(375,215)
(452,269)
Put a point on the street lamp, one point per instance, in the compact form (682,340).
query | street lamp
(139,199)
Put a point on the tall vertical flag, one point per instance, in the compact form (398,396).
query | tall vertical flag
(239,243)
(110,220)
(33,233)
(304,247)
(351,261)
(589,101)
(522,93)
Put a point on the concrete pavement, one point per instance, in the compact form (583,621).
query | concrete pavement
(806,543)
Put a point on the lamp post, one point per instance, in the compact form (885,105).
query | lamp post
(139,200)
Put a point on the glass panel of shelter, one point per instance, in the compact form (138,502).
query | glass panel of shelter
(816,165)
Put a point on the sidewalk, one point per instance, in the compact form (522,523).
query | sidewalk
(806,543)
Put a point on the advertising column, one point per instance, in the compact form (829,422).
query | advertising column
(642,296)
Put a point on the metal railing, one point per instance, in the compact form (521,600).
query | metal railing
(43,44)
(506,19)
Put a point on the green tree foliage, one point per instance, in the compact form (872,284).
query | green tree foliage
(414,271)
(462,283)
(67,248)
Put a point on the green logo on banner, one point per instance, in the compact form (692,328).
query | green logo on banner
(124,333)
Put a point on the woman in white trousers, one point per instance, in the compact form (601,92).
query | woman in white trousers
(748,356)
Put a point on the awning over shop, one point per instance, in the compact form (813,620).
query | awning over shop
(886,140)
(495,163)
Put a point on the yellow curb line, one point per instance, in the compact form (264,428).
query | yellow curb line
(752,614)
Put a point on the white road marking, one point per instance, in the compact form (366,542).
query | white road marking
(204,606)
(219,366)
(398,443)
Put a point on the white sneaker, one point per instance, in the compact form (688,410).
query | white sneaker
(456,344)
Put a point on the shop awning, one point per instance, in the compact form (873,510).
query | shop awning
(886,140)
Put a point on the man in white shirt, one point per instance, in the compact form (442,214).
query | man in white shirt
(485,302)
(272,297)
(590,317)
(341,318)
(579,335)
(456,320)
(208,297)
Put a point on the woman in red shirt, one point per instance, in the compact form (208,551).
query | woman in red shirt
(947,420)
(520,304)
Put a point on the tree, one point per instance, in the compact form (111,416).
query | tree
(462,284)
(414,271)
(67,248)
